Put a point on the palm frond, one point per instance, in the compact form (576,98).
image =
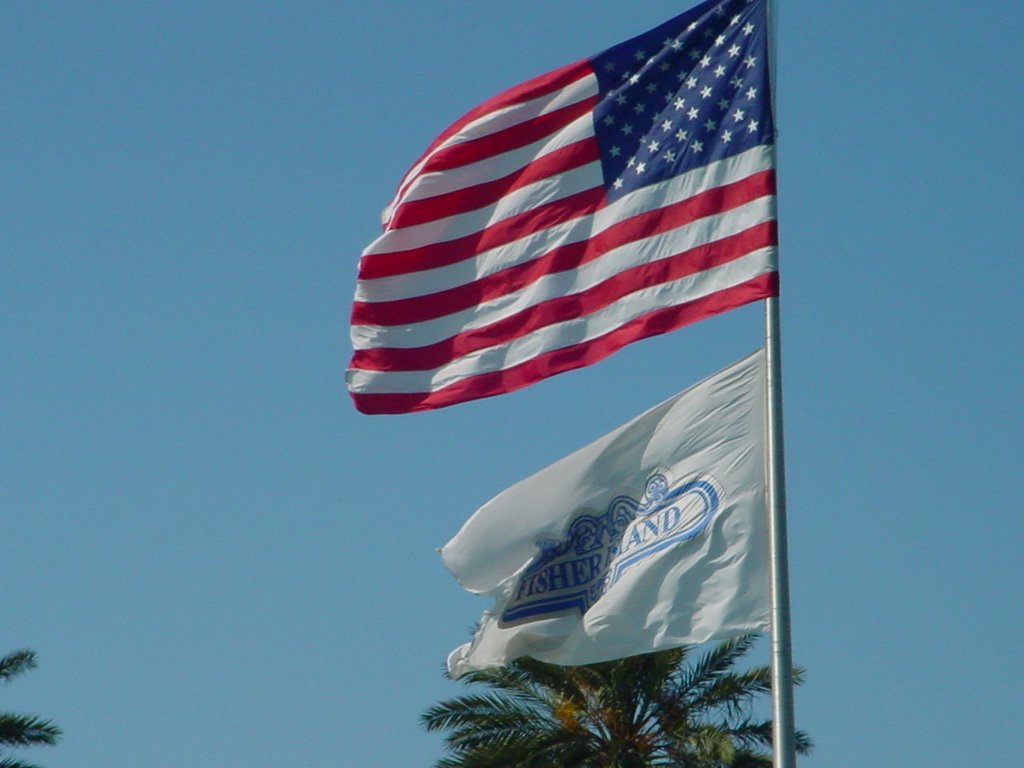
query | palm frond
(540,747)
(803,742)
(732,691)
(746,758)
(656,709)
(752,734)
(663,667)
(478,712)
(717,661)
(703,741)
(26,730)
(534,740)
(17,663)
(759,734)
(567,755)
(529,679)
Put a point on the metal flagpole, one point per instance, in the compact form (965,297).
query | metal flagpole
(783,720)
(783,728)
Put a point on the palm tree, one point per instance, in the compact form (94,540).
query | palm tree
(21,730)
(650,710)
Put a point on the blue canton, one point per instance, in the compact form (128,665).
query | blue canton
(683,95)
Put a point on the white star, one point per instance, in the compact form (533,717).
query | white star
(609,120)
(719,71)
(726,137)
(691,83)
(734,51)
(720,10)
(711,125)
(640,168)
(639,108)
(665,66)
(738,115)
(634,79)
(653,146)
(750,61)
(609,67)
(723,104)
(752,126)
(720,40)
(692,27)
(679,103)
(614,151)
(737,82)
(652,87)
(735,20)
(676,45)
(632,162)
(751,93)
(748,29)
(705,62)
(621,100)
(627,129)
(618,183)
(692,114)
(639,55)
(670,156)
(695,54)
(705,92)
(698,146)
(682,135)
(666,126)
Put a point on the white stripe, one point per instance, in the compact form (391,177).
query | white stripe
(645,251)
(536,245)
(506,117)
(533,245)
(497,167)
(383,289)
(524,199)
(524,111)
(570,332)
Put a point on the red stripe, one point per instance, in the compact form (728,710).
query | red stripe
(559,309)
(374,265)
(570,256)
(654,323)
(472,198)
(534,88)
(507,139)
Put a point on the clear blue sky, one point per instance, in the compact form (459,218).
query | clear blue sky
(220,562)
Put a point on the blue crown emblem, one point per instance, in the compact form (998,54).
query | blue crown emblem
(570,574)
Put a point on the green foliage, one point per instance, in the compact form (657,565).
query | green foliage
(644,711)
(21,730)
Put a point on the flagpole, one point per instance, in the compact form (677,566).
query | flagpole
(783,728)
(783,718)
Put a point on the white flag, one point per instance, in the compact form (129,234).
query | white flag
(651,537)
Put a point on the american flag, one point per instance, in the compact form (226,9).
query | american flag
(614,199)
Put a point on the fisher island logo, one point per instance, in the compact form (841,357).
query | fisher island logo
(571,574)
